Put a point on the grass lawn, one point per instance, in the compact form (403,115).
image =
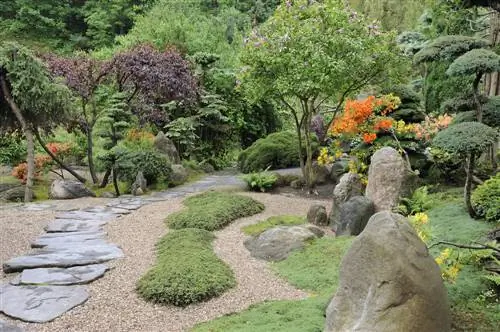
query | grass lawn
(186,271)
(213,210)
(256,229)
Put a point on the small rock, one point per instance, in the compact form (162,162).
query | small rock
(40,304)
(349,186)
(179,175)
(277,243)
(317,215)
(354,215)
(321,173)
(165,146)
(68,189)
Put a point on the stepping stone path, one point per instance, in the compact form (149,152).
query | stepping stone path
(72,253)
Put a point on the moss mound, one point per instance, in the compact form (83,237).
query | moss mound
(187,270)
(213,210)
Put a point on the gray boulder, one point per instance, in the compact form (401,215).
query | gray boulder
(317,215)
(140,184)
(389,179)
(354,215)
(277,243)
(349,186)
(321,173)
(13,193)
(389,282)
(68,189)
(165,146)
(179,175)
(339,168)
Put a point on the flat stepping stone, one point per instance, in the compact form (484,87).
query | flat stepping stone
(106,209)
(72,225)
(56,276)
(55,239)
(40,304)
(127,206)
(83,215)
(37,207)
(72,255)
(6,327)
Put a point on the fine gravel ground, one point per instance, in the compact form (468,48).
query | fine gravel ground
(114,304)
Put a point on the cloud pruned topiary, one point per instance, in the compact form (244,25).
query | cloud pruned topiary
(466,138)
(475,62)
(448,48)
(491,111)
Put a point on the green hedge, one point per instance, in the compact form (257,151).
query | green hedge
(187,270)
(213,210)
(277,150)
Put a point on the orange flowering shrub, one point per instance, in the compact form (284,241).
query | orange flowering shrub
(431,126)
(366,117)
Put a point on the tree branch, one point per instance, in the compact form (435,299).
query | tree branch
(479,246)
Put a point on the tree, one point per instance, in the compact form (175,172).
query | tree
(83,75)
(475,63)
(467,140)
(311,52)
(29,98)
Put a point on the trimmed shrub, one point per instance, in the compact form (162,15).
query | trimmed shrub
(271,222)
(155,166)
(486,199)
(261,181)
(277,150)
(187,270)
(213,210)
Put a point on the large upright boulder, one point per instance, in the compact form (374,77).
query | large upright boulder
(354,215)
(140,184)
(349,186)
(68,189)
(389,179)
(389,282)
(165,146)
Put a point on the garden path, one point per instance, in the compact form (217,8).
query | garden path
(134,224)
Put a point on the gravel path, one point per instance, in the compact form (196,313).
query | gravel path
(114,304)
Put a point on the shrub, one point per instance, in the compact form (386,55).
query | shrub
(187,270)
(277,150)
(271,222)
(213,210)
(155,166)
(12,150)
(486,199)
(261,181)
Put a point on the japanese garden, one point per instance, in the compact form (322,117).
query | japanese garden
(250,165)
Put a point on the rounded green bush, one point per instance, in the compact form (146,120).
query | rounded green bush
(486,199)
(155,166)
(277,150)
(187,270)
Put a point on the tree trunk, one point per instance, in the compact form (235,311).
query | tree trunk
(105,178)
(30,159)
(491,85)
(90,154)
(309,176)
(30,147)
(469,168)
(115,182)
(57,160)
(477,101)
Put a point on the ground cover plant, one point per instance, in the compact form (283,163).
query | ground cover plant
(213,210)
(187,270)
(285,220)
(313,269)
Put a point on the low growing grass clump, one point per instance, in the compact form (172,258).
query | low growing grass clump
(213,210)
(187,270)
(271,222)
